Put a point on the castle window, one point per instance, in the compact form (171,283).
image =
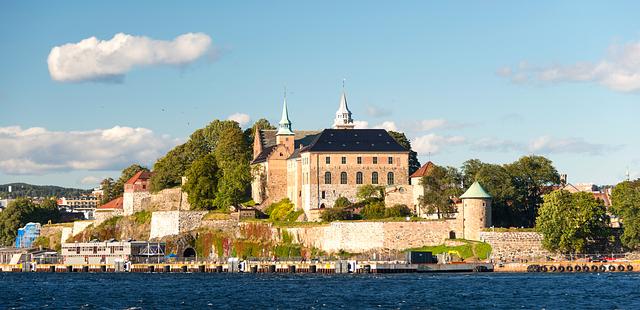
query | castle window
(390,160)
(344,160)
(374,178)
(343,178)
(359,160)
(358,177)
(327,177)
(327,160)
(375,160)
(323,194)
(390,178)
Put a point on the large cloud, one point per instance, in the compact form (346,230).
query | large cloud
(241,118)
(39,151)
(619,70)
(432,143)
(93,59)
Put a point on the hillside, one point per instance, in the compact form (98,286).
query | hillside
(28,190)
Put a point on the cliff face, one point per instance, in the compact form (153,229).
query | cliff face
(136,227)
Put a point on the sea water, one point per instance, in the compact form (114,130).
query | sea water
(317,291)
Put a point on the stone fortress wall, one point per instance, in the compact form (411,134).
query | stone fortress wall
(512,245)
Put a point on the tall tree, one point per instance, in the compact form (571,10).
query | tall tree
(531,176)
(202,183)
(440,186)
(108,190)
(401,138)
(625,203)
(260,124)
(569,221)
(232,155)
(125,175)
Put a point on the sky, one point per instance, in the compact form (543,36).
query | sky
(88,88)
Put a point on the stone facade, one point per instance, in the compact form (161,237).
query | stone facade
(477,216)
(132,201)
(102,215)
(79,226)
(359,237)
(512,245)
(167,223)
(170,199)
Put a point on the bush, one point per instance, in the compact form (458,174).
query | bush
(335,214)
(342,202)
(373,210)
(142,217)
(397,211)
(282,210)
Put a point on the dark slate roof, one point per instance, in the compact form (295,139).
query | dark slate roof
(304,137)
(262,157)
(354,140)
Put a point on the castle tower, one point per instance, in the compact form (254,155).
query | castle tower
(476,211)
(285,135)
(343,115)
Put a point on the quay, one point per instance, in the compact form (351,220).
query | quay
(337,267)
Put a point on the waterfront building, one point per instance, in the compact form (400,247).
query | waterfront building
(27,234)
(108,252)
(314,168)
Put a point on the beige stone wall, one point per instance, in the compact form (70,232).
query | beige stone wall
(132,201)
(102,215)
(509,246)
(167,223)
(361,237)
(399,194)
(79,226)
(477,216)
(170,199)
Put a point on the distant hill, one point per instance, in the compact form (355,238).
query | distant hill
(28,190)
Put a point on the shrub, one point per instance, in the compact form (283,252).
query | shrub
(282,210)
(373,210)
(397,211)
(335,214)
(342,202)
(370,191)
(142,217)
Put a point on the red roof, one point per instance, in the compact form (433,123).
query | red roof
(113,204)
(422,171)
(141,175)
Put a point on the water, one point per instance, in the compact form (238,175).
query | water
(284,291)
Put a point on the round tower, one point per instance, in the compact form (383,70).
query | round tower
(476,211)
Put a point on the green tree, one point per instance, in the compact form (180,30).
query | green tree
(369,191)
(397,211)
(108,190)
(440,186)
(342,202)
(497,182)
(569,221)
(335,214)
(202,183)
(373,210)
(530,176)
(260,124)
(625,203)
(22,211)
(401,138)
(232,155)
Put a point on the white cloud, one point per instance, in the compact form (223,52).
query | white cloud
(361,124)
(93,59)
(430,124)
(91,180)
(38,151)
(387,125)
(496,145)
(433,143)
(619,70)
(547,144)
(241,118)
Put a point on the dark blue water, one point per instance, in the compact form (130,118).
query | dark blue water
(399,291)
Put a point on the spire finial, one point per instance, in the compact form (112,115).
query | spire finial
(343,79)
(284,127)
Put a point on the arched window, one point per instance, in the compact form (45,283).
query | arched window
(390,178)
(358,177)
(327,177)
(374,178)
(452,234)
(343,178)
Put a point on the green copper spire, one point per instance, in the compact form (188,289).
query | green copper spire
(475,191)
(284,127)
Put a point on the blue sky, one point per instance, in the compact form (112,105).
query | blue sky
(492,80)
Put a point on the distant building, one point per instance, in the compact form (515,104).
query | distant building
(27,234)
(108,252)
(109,210)
(84,204)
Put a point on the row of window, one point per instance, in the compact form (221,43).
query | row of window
(359,178)
(343,160)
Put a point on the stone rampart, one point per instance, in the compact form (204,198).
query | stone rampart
(361,237)
(79,226)
(515,245)
(167,223)
(170,199)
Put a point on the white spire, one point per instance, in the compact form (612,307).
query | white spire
(343,118)
(284,127)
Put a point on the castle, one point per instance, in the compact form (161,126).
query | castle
(314,168)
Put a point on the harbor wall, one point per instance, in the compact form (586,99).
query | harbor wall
(515,245)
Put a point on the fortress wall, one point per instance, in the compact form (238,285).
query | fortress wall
(79,226)
(166,223)
(515,245)
(361,237)
(170,199)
